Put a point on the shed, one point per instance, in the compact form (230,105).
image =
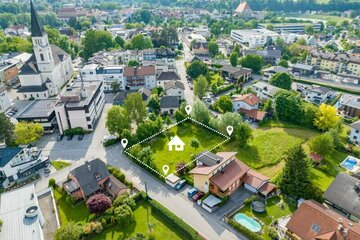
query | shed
(172,180)
(210,203)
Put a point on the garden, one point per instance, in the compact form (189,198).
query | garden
(58,165)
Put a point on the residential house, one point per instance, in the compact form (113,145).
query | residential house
(343,194)
(19,30)
(91,178)
(254,38)
(4,99)
(174,88)
(222,174)
(169,104)
(354,136)
(244,10)
(8,72)
(349,105)
(318,94)
(80,106)
(300,69)
(138,77)
(313,220)
(265,90)
(248,105)
(120,97)
(176,144)
(271,71)
(200,48)
(236,74)
(270,56)
(145,93)
(165,77)
(18,163)
(155,54)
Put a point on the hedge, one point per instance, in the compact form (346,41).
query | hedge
(186,231)
(251,235)
(111,142)
(328,86)
(226,88)
(74,131)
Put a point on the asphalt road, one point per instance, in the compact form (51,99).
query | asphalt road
(208,225)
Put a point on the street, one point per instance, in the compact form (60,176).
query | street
(208,225)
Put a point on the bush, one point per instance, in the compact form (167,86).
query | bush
(272,233)
(74,131)
(117,174)
(226,88)
(186,231)
(110,142)
(93,227)
(52,183)
(139,196)
(98,203)
(70,200)
(251,235)
(125,199)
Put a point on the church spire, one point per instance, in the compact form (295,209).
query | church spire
(36,28)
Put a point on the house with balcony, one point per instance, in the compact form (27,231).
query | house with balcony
(235,74)
(349,105)
(17,163)
(265,90)
(271,71)
(248,105)
(141,76)
(318,94)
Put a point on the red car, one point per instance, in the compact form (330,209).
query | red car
(198,196)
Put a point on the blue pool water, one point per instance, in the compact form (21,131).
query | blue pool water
(247,222)
(349,163)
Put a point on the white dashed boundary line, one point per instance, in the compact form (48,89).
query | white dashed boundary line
(171,126)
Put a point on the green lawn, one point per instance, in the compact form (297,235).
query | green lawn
(143,217)
(273,211)
(67,212)
(58,165)
(318,17)
(186,132)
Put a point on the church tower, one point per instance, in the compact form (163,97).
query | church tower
(41,46)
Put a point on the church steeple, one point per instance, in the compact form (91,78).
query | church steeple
(36,28)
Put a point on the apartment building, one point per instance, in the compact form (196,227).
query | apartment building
(253,37)
(291,27)
(138,77)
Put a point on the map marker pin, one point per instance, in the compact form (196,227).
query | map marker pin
(165,169)
(229,130)
(188,109)
(124,142)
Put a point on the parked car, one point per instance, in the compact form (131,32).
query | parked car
(81,137)
(70,137)
(180,184)
(198,196)
(192,192)
(59,137)
(46,170)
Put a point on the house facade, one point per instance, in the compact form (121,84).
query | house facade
(265,90)
(271,71)
(138,77)
(248,105)
(349,105)
(165,77)
(354,136)
(174,88)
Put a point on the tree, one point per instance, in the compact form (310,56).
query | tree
(213,48)
(243,133)
(180,168)
(98,203)
(95,41)
(200,112)
(28,132)
(143,15)
(146,155)
(228,119)
(125,199)
(281,80)
(115,86)
(294,178)
(117,119)
(68,231)
(309,29)
(196,68)
(322,144)
(140,42)
(195,143)
(124,215)
(6,129)
(133,63)
(154,103)
(252,61)
(234,59)
(120,41)
(200,86)
(135,106)
(283,63)
(326,117)
(224,103)
(287,106)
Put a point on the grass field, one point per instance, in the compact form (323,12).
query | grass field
(186,133)
(58,165)
(143,217)
(318,17)
(67,212)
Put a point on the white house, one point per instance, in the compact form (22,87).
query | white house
(253,37)
(174,88)
(246,101)
(165,77)
(354,136)
(4,99)
(318,94)
(265,90)
(17,163)
(176,143)
(271,71)
(47,70)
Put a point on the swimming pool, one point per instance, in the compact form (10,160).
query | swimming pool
(350,163)
(247,222)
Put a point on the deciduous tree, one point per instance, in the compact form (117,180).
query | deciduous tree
(224,103)
(117,120)
(98,203)
(200,86)
(28,132)
(281,80)
(200,112)
(6,129)
(234,58)
(252,61)
(213,48)
(196,68)
(68,231)
(326,117)
(288,107)
(135,106)
(195,143)
(322,144)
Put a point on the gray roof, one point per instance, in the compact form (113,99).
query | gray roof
(7,154)
(88,175)
(13,206)
(276,69)
(172,84)
(209,159)
(266,87)
(350,100)
(145,93)
(164,76)
(36,28)
(344,191)
(356,125)
(38,109)
(120,95)
(236,71)
(211,201)
(169,102)
(32,88)
(304,66)
(319,89)
(264,53)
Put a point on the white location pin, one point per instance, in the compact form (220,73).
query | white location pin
(229,130)
(124,142)
(188,109)
(165,169)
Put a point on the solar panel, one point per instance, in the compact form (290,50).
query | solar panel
(316,228)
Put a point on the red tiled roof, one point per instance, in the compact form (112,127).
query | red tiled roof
(242,7)
(328,223)
(254,179)
(232,172)
(267,188)
(139,71)
(254,114)
(250,99)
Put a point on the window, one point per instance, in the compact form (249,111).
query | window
(89,126)
(37,95)
(44,94)
(42,57)
(87,118)
(356,131)
(24,95)
(316,228)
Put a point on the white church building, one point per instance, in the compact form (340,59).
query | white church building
(48,68)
